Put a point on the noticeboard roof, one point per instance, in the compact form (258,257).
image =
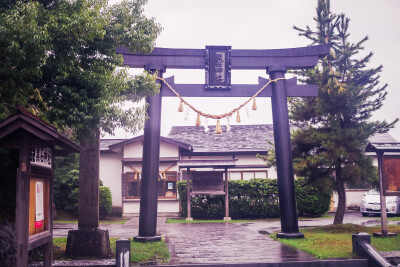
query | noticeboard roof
(40,131)
(216,164)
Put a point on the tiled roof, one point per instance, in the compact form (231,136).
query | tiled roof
(383,147)
(246,138)
(382,138)
(239,138)
(105,143)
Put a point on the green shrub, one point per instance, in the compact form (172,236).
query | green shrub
(105,202)
(312,200)
(256,198)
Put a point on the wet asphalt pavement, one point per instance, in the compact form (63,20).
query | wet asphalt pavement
(223,242)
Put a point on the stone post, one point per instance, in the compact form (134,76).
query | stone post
(122,253)
(89,240)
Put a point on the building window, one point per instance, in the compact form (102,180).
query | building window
(132,185)
(235,175)
(166,185)
(247,175)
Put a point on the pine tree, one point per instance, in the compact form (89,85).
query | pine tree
(334,128)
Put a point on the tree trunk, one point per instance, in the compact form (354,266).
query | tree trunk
(341,190)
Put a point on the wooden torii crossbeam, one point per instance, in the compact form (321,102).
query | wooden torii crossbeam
(218,62)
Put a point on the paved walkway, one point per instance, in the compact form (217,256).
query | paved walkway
(222,242)
(225,243)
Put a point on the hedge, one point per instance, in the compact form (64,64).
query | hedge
(105,202)
(256,198)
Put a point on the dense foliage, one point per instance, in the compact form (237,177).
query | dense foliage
(58,59)
(66,183)
(256,198)
(312,198)
(334,128)
(9,160)
(105,202)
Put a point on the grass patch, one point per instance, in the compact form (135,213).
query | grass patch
(334,241)
(393,219)
(172,220)
(59,245)
(64,216)
(156,252)
(141,253)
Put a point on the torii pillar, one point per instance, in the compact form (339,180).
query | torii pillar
(283,154)
(150,167)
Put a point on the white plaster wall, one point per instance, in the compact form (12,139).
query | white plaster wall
(375,161)
(272,174)
(137,166)
(254,160)
(168,150)
(162,167)
(242,160)
(134,150)
(249,160)
(353,197)
(110,174)
(166,206)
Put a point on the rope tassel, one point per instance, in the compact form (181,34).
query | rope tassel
(180,109)
(218,129)
(254,104)
(198,121)
(237,117)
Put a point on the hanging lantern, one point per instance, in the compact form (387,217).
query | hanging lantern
(198,121)
(237,117)
(180,109)
(254,104)
(218,129)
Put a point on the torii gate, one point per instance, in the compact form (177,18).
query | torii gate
(218,62)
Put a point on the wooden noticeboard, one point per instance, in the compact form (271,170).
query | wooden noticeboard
(208,183)
(39,205)
(391,175)
(38,142)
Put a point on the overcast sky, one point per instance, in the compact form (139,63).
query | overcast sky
(267,24)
